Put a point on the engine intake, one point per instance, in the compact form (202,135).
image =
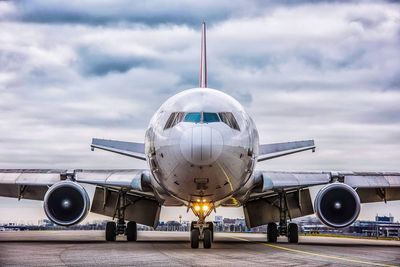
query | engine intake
(337,205)
(66,203)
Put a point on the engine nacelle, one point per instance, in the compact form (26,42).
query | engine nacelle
(337,205)
(66,203)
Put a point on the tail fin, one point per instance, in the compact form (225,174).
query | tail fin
(203,58)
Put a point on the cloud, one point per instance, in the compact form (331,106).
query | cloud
(337,66)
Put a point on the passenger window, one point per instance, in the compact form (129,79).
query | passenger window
(193,117)
(174,119)
(229,119)
(210,117)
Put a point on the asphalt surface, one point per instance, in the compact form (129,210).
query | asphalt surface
(87,248)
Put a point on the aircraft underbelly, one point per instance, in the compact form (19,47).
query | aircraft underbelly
(213,181)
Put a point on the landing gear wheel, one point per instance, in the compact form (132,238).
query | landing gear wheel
(194,238)
(192,226)
(293,233)
(207,240)
(131,231)
(111,231)
(272,232)
(211,227)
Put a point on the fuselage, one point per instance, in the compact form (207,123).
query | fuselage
(201,145)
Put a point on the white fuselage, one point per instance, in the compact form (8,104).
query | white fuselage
(196,150)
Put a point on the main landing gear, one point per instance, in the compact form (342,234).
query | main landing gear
(120,228)
(290,230)
(201,230)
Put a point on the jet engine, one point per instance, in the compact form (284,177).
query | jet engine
(66,203)
(337,205)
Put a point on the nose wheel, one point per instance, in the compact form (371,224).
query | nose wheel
(194,238)
(207,238)
(201,231)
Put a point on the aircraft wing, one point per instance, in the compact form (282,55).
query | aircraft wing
(33,183)
(368,184)
(262,192)
(144,205)
(270,151)
(130,149)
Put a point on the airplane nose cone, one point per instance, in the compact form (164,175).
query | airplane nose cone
(201,145)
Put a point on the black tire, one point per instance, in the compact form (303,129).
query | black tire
(192,225)
(207,240)
(111,231)
(131,231)
(194,238)
(293,233)
(211,227)
(272,233)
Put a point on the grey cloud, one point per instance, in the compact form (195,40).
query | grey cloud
(148,12)
(311,81)
(98,63)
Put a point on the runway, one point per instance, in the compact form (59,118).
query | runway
(88,248)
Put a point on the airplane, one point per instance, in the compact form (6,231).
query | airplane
(201,147)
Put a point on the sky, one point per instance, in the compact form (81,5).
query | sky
(322,70)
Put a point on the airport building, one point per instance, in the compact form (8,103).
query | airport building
(382,226)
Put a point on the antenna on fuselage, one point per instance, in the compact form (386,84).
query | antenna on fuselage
(203,58)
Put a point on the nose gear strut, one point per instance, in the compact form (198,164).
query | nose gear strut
(201,230)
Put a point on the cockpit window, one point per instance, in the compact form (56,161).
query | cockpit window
(229,119)
(210,117)
(174,119)
(193,117)
(202,117)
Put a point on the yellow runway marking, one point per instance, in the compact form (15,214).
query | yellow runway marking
(317,254)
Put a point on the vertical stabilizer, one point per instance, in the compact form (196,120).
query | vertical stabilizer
(203,58)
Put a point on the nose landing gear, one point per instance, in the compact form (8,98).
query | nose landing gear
(201,230)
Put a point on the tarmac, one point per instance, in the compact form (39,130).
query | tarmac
(88,248)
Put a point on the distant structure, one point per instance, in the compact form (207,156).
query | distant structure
(383,226)
(389,218)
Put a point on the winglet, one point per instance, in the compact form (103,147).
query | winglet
(203,58)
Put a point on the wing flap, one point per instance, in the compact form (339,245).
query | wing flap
(371,179)
(30,176)
(139,209)
(264,210)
